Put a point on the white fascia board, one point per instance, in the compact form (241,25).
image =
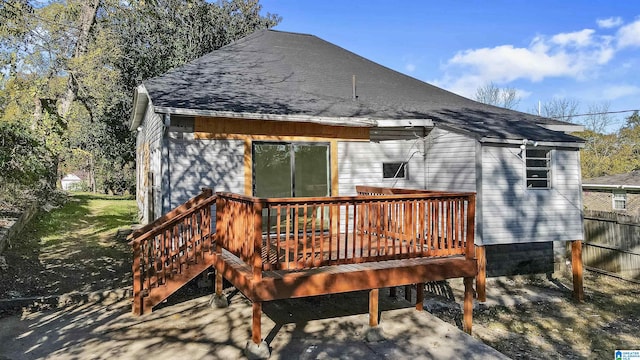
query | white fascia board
(566,128)
(603,186)
(404,123)
(336,121)
(140,102)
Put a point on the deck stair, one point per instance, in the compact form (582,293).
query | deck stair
(171,251)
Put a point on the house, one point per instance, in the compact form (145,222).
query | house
(616,193)
(284,114)
(71,182)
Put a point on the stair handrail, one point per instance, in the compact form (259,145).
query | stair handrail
(206,197)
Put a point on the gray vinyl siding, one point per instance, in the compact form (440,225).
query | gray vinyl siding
(194,164)
(450,161)
(514,214)
(149,138)
(360,163)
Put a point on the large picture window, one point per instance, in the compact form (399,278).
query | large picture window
(291,169)
(538,168)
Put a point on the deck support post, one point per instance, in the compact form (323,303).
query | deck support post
(576,267)
(468,305)
(420,296)
(256,335)
(407,293)
(218,300)
(256,348)
(219,283)
(373,333)
(373,307)
(481,278)
(393,291)
(138,298)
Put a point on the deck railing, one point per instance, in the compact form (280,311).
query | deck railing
(171,250)
(382,224)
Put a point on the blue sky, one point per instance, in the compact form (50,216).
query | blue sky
(583,50)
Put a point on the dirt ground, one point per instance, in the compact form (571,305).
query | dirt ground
(538,319)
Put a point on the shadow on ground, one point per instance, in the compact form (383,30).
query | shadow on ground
(325,327)
(71,248)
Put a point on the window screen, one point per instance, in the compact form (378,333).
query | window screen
(394,170)
(620,201)
(538,168)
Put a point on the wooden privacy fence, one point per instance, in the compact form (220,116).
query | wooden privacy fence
(171,251)
(305,233)
(612,244)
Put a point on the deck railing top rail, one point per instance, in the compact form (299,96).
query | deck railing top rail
(418,195)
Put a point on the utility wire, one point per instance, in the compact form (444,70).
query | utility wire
(589,114)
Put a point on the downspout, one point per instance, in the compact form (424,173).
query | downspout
(479,197)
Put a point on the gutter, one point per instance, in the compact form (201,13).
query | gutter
(490,140)
(140,103)
(620,187)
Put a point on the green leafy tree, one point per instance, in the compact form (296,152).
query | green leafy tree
(68,69)
(615,153)
(630,141)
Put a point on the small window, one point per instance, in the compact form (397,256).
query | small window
(620,200)
(395,170)
(538,163)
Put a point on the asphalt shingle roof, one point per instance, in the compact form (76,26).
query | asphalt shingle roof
(274,72)
(630,178)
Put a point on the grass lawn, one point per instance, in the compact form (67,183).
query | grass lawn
(72,248)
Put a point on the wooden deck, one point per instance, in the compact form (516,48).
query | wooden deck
(283,248)
(273,249)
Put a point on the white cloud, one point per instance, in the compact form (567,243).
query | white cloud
(578,38)
(410,67)
(523,94)
(609,22)
(629,35)
(613,92)
(576,55)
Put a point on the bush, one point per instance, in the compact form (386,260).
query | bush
(23,159)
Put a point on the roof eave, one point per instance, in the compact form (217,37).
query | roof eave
(566,144)
(140,103)
(504,141)
(607,186)
(566,128)
(336,121)
(404,123)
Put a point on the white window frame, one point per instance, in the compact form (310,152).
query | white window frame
(619,196)
(405,165)
(528,180)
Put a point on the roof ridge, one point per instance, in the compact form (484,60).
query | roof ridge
(289,32)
